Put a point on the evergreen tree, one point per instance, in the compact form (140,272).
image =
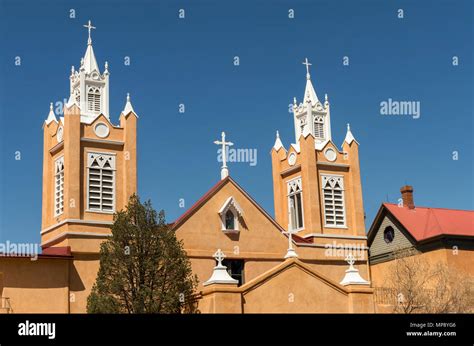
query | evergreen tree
(143,267)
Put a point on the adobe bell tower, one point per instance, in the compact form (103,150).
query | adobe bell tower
(316,185)
(89,163)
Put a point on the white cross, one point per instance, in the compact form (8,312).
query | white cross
(350,259)
(224,171)
(219,256)
(89,27)
(306,62)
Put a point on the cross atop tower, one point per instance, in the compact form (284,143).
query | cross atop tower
(224,169)
(308,64)
(89,27)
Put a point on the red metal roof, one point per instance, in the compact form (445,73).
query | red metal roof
(424,223)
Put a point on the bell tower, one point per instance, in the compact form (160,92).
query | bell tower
(316,185)
(89,163)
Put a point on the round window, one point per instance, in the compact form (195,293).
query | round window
(101,130)
(330,154)
(388,234)
(292,159)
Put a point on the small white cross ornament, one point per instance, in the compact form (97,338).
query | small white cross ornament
(306,62)
(224,169)
(89,27)
(350,259)
(219,256)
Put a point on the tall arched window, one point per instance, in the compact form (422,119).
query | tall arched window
(319,127)
(229,220)
(93,99)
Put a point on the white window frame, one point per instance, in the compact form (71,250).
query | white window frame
(230,205)
(96,94)
(58,210)
(325,178)
(91,156)
(297,182)
(319,119)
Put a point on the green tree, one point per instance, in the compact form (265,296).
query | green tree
(143,267)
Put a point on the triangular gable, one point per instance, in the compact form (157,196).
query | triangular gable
(213,191)
(291,263)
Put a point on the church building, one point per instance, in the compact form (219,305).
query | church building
(311,256)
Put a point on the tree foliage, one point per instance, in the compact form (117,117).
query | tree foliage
(143,267)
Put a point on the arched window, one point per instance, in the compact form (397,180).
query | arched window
(93,99)
(388,234)
(319,127)
(229,220)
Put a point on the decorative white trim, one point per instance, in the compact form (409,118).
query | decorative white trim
(220,274)
(318,235)
(332,180)
(58,186)
(294,187)
(101,159)
(352,276)
(98,131)
(234,207)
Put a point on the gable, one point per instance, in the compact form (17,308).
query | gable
(379,248)
(293,287)
(201,229)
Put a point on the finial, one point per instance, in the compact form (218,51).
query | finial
(294,101)
(51,107)
(72,70)
(350,259)
(224,169)
(326,97)
(306,62)
(106,66)
(128,97)
(89,27)
(278,134)
(219,256)
(82,61)
(348,127)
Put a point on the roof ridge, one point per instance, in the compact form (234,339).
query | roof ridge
(416,206)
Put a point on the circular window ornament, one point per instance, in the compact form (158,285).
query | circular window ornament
(292,159)
(59,134)
(101,130)
(388,234)
(330,154)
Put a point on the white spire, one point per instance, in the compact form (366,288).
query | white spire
(309,93)
(51,116)
(278,144)
(90,63)
(224,169)
(71,102)
(349,136)
(128,106)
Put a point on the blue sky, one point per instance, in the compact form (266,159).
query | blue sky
(190,61)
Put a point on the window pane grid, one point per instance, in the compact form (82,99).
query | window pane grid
(333,192)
